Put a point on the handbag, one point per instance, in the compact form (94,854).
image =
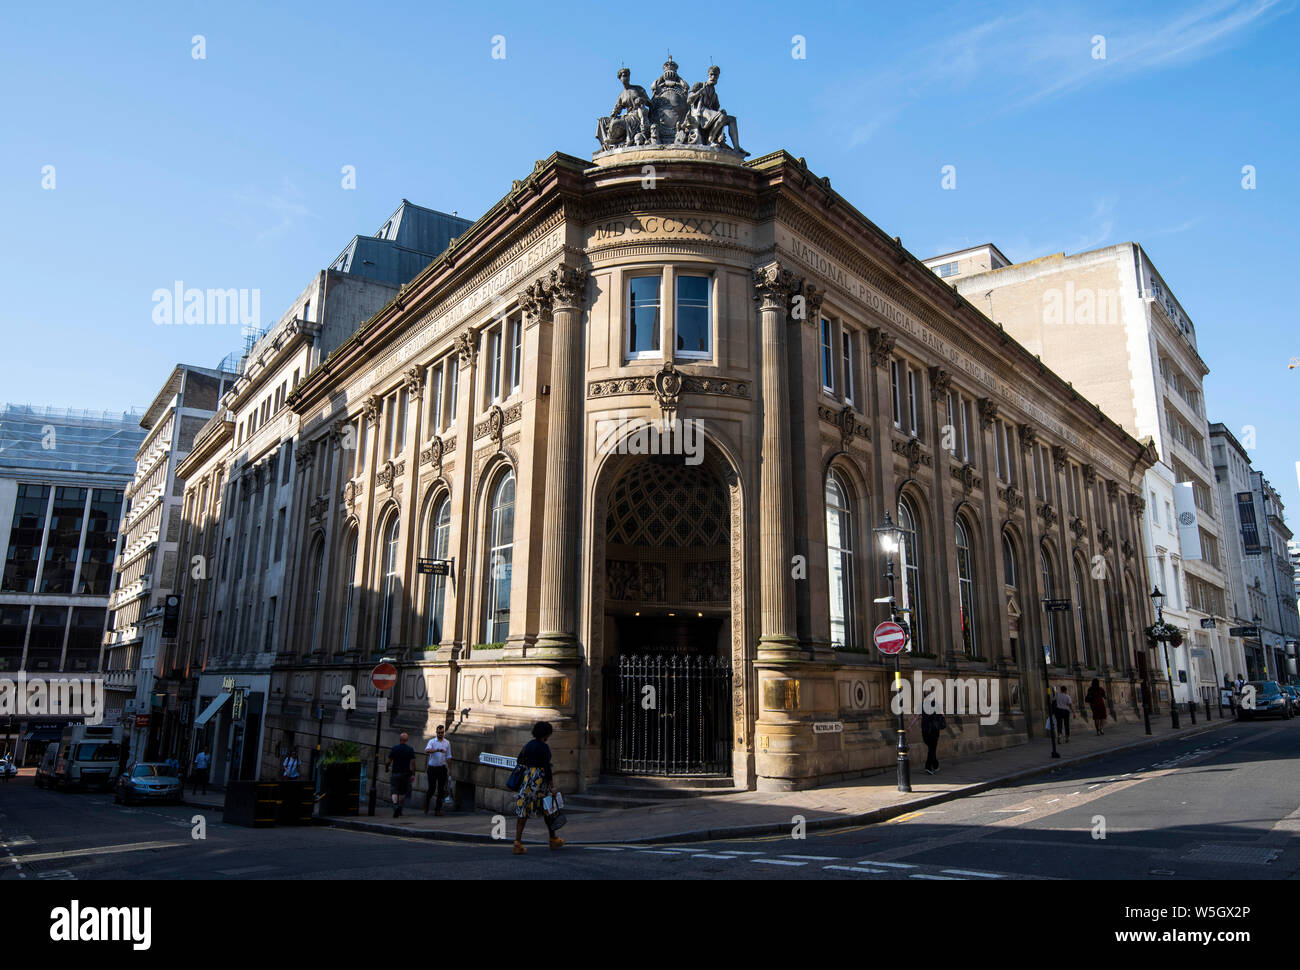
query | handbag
(516,779)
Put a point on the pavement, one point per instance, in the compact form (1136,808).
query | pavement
(866,800)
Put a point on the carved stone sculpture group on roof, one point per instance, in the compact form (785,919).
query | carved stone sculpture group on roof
(673,113)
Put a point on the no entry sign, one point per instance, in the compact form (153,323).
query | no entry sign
(890,638)
(383,676)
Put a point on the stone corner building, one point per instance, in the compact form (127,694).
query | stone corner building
(703,612)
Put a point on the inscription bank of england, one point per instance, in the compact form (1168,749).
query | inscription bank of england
(469,510)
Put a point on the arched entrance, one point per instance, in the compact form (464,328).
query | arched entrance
(667,625)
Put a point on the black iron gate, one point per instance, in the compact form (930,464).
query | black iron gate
(668,715)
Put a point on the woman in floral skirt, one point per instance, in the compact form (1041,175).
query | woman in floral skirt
(536,759)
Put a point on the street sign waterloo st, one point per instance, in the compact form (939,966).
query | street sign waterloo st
(889,637)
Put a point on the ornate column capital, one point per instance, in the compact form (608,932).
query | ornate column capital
(988,412)
(1028,437)
(881,343)
(774,285)
(1089,475)
(536,301)
(813,298)
(467,347)
(414,380)
(1058,457)
(568,287)
(372,408)
(940,381)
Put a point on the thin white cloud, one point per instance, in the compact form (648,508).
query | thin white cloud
(269,214)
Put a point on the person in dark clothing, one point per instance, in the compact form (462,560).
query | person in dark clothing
(1096,699)
(932,724)
(1062,704)
(401,759)
(537,784)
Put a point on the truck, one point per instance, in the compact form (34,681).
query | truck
(86,756)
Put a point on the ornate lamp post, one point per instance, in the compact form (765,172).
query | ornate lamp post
(1158,598)
(890,537)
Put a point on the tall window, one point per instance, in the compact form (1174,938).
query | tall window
(911,569)
(913,407)
(516,352)
(839,550)
(1010,577)
(966,589)
(453,381)
(694,318)
(391,587)
(350,589)
(435,398)
(846,344)
(643,316)
(1048,592)
(501,544)
(1081,605)
(494,361)
(828,358)
(317,583)
(438,540)
(894,393)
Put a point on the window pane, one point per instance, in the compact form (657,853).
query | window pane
(828,373)
(643,315)
(694,321)
(25,538)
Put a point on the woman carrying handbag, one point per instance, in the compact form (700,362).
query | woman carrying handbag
(533,777)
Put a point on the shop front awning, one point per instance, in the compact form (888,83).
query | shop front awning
(43,734)
(211,709)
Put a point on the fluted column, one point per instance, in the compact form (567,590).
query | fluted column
(560,295)
(773,287)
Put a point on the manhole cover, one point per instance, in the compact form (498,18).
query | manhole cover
(1232,854)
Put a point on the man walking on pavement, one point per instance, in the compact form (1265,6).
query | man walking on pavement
(401,760)
(439,753)
(291,769)
(1063,703)
(200,775)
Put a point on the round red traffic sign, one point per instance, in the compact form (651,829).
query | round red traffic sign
(383,676)
(890,637)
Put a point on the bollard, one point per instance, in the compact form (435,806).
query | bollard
(1191,709)
(1207,707)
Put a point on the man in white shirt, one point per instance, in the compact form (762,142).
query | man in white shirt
(438,751)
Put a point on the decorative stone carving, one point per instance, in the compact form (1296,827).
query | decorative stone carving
(940,381)
(1028,437)
(306,451)
(723,386)
(914,455)
(467,347)
(568,287)
(774,285)
(812,307)
(881,346)
(1136,504)
(414,381)
(1126,548)
(1104,540)
(969,480)
(318,508)
(350,492)
(988,412)
(1048,512)
(673,113)
(1014,499)
(1078,527)
(432,455)
(1112,490)
(1058,457)
(386,474)
(668,387)
(372,408)
(847,422)
(1089,475)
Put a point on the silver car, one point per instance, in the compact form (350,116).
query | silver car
(148,781)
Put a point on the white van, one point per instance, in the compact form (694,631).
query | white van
(86,756)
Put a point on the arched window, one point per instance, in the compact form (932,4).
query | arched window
(911,563)
(438,538)
(1048,592)
(391,588)
(317,593)
(1081,604)
(349,588)
(501,543)
(966,589)
(1009,562)
(839,551)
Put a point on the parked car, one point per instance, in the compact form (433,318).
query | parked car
(147,781)
(87,755)
(1269,701)
(1293,695)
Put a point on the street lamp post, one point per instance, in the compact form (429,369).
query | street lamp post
(1257,621)
(1158,598)
(890,538)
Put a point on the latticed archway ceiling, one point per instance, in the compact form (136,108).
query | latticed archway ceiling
(667,505)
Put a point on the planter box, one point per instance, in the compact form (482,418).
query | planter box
(341,785)
(297,801)
(254,804)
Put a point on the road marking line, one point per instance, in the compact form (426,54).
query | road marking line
(100,850)
(655,852)
(974,872)
(740,852)
(1091,787)
(678,850)
(878,872)
(906,818)
(1014,811)
(892,865)
(710,855)
(921,875)
(1052,801)
(600,848)
(777,862)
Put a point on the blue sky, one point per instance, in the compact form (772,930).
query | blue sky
(226,171)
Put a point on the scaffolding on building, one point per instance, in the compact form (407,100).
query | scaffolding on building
(70,439)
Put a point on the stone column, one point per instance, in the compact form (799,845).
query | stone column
(561,295)
(778,637)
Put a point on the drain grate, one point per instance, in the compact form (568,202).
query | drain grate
(1252,855)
